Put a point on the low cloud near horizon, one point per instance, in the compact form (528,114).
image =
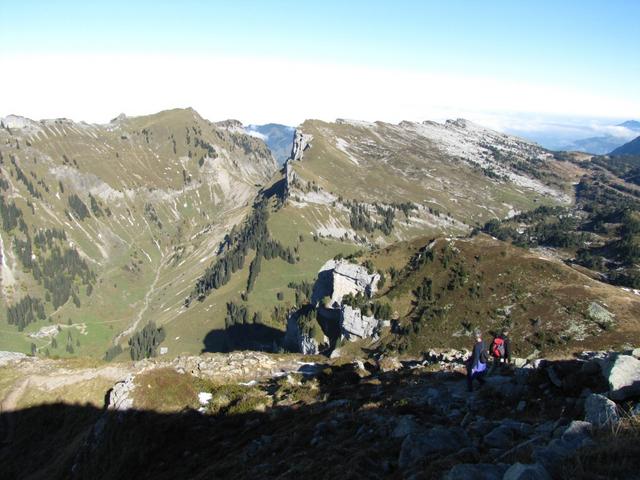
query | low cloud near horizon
(95,88)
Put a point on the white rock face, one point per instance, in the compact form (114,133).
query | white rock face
(623,374)
(297,341)
(120,395)
(8,357)
(338,278)
(354,325)
(301,141)
(350,278)
(308,346)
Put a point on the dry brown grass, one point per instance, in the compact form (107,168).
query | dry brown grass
(615,455)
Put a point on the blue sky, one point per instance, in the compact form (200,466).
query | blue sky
(589,47)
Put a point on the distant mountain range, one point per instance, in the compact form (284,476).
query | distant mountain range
(279,138)
(568,136)
(631,148)
(602,144)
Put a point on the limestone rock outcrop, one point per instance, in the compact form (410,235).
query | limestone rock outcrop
(298,341)
(355,326)
(120,396)
(301,141)
(338,278)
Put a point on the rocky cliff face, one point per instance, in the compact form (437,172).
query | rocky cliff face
(356,326)
(301,142)
(338,278)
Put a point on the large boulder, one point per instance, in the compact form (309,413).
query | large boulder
(521,471)
(600,411)
(575,436)
(338,278)
(623,375)
(120,396)
(354,325)
(504,435)
(500,437)
(416,447)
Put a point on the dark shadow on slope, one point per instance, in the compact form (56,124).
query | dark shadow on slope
(345,435)
(250,336)
(278,189)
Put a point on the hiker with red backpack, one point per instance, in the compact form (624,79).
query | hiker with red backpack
(477,363)
(501,350)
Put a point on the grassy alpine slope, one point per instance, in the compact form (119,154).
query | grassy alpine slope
(118,217)
(147,204)
(442,289)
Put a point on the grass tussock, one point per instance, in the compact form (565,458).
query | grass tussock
(615,454)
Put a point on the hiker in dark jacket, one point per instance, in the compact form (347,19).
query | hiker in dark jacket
(501,350)
(477,364)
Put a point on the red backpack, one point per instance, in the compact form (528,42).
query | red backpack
(497,347)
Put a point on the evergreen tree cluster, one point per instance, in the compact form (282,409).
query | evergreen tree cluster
(11,215)
(25,180)
(95,207)
(211,151)
(308,325)
(303,291)
(547,226)
(381,310)
(600,205)
(112,352)
(405,207)
(26,311)
(152,215)
(254,270)
(60,270)
(144,343)
(78,207)
(388,215)
(252,235)
(359,300)
(360,217)
(626,167)
(237,314)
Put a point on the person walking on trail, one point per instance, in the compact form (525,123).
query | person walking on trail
(501,350)
(477,364)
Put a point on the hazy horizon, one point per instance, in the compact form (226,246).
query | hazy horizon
(512,67)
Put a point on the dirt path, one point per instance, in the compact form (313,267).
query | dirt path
(147,297)
(56,379)
(10,401)
(129,330)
